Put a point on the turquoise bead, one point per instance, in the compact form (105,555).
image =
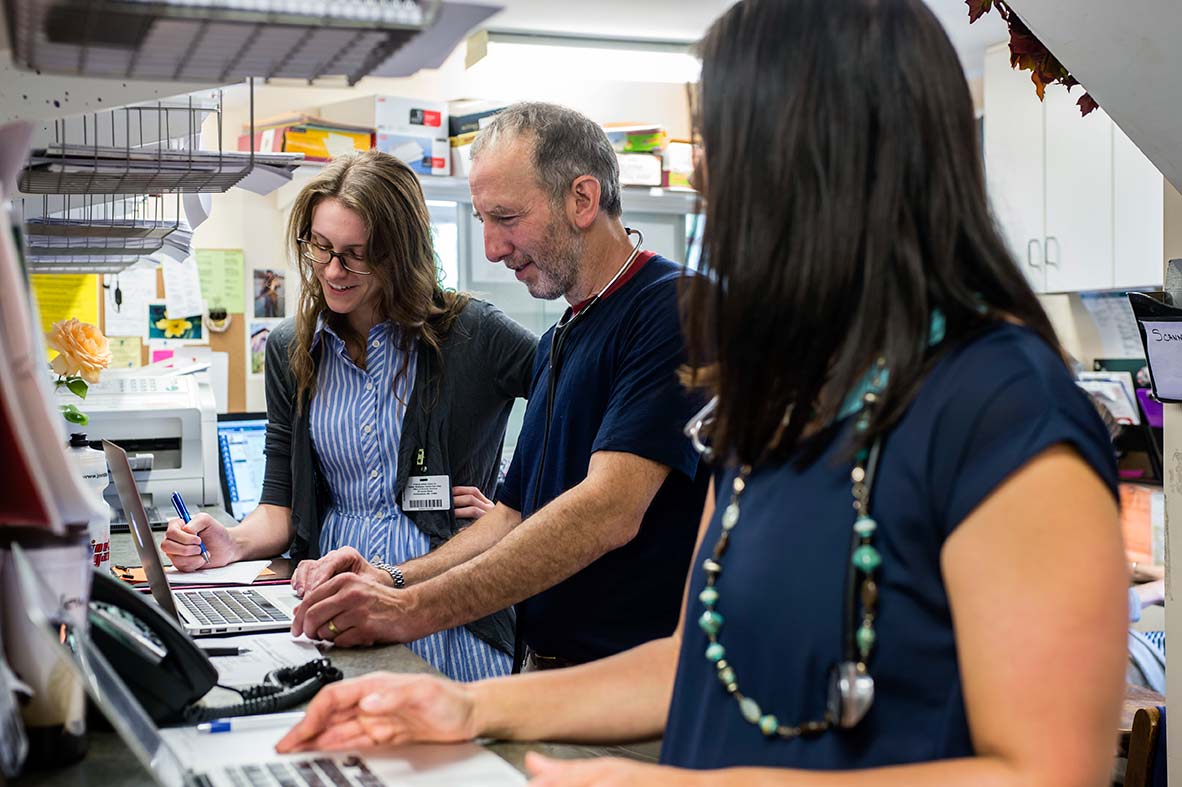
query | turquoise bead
(865,526)
(715,651)
(726,675)
(866,558)
(750,710)
(865,639)
(708,596)
(710,622)
(768,724)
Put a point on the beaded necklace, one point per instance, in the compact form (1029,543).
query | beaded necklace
(851,687)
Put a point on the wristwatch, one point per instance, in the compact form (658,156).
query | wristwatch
(394,571)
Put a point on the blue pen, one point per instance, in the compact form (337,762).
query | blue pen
(179,504)
(251,722)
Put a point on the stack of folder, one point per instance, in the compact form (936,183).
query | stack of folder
(318,139)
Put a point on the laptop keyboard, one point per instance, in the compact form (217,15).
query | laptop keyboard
(156,519)
(212,607)
(320,772)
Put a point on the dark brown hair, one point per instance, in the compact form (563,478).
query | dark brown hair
(846,202)
(387,196)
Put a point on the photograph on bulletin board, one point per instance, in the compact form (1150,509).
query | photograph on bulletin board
(269,294)
(256,339)
(161,325)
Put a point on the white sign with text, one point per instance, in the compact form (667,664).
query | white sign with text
(1163,341)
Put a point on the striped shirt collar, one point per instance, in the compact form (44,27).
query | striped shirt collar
(383,330)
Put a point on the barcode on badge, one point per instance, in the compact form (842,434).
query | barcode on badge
(427,503)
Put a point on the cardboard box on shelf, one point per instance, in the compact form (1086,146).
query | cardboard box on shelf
(317,144)
(471,114)
(424,155)
(640,169)
(392,115)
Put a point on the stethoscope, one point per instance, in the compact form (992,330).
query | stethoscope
(558,342)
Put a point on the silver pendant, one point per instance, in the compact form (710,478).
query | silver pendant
(851,693)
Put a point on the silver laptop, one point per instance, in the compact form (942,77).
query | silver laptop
(183,757)
(201,611)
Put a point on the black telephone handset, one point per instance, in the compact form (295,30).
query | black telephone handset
(154,656)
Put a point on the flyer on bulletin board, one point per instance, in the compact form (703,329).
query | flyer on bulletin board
(222,275)
(61,296)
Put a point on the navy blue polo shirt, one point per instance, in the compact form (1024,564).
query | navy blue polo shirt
(617,390)
(987,408)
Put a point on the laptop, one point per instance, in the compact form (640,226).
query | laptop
(200,611)
(242,438)
(184,757)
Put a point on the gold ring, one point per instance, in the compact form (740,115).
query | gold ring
(333,627)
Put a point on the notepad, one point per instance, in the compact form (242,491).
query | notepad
(243,573)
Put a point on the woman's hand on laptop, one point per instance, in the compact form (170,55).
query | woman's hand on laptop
(384,708)
(182,543)
(311,574)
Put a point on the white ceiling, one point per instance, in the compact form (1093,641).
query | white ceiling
(687,20)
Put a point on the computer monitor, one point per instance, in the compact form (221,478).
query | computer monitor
(241,439)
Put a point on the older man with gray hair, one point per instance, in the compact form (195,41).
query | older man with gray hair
(593,532)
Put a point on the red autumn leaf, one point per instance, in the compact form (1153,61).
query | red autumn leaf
(977,8)
(1086,104)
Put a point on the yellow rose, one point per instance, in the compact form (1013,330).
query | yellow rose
(82,349)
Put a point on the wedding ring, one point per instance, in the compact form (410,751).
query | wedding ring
(333,627)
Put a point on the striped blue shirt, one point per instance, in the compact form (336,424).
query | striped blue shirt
(356,421)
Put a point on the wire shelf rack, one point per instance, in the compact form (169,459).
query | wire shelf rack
(212,41)
(141,149)
(96,233)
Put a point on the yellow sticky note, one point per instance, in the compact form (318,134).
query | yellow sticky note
(126,352)
(61,296)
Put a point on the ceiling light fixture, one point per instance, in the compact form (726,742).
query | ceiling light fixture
(578,57)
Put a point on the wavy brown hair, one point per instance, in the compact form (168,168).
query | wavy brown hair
(387,196)
(846,200)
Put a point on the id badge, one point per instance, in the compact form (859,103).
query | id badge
(427,493)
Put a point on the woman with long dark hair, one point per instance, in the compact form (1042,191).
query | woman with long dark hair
(912,556)
(381,375)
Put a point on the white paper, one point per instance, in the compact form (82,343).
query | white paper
(1164,342)
(198,205)
(242,573)
(267,652)
(263,179)
(182,288)
(1115,323)
(137,288)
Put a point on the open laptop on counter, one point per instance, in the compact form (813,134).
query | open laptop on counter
(200,611)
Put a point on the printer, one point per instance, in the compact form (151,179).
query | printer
(168,426)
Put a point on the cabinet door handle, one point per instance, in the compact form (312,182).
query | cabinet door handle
(1030,260)
(1047,254)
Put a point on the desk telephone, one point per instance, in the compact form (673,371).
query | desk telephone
(169,674)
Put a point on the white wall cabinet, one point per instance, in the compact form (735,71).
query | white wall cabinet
(1080,207)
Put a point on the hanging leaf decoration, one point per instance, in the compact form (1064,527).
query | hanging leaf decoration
(1029,54)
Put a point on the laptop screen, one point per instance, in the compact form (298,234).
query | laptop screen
(241,439)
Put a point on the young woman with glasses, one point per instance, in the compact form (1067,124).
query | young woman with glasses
(910,571)
(381,376)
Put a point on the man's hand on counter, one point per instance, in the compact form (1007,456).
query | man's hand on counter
(352,609)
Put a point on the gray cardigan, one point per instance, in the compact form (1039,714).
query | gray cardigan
(457,418)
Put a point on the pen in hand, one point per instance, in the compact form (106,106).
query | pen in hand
(183,512)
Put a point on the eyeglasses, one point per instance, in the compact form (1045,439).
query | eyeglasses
(322,255)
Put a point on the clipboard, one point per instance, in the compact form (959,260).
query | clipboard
(1160,326)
